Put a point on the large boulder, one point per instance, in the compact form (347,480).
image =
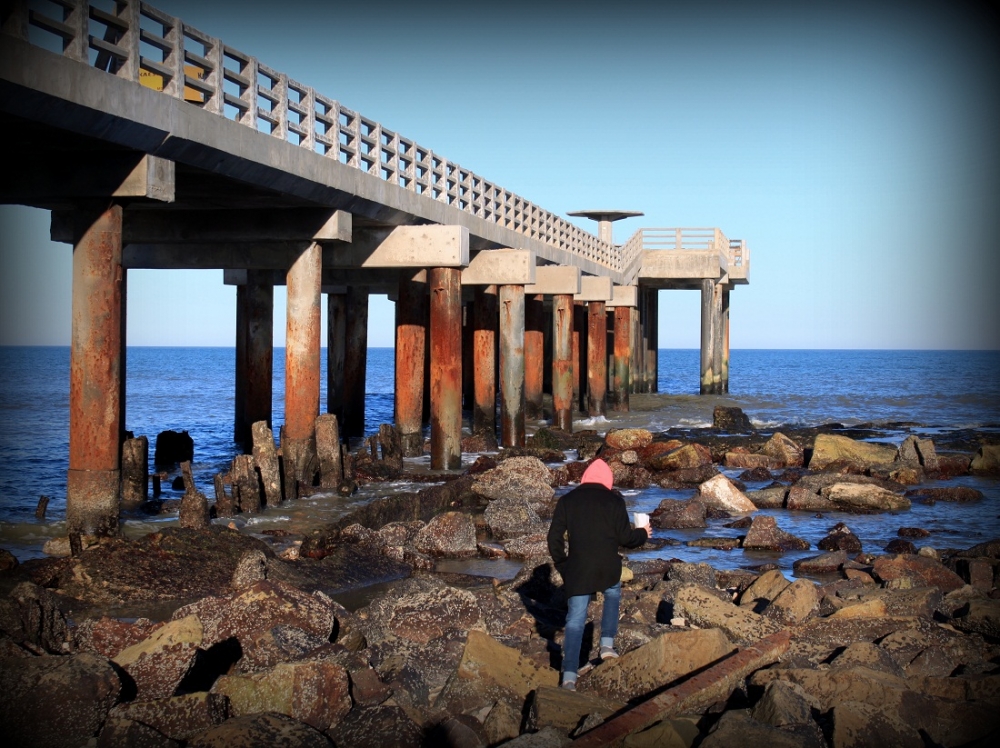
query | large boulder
(733,420)
(855,497)
(484,658)
(795,603)
(987,460)
(765,535)
(420,610)
(908,570)
(512,517)
(702,608)
(56,701)
(672,514)
(784,449)
(317,693)
(763,590)
(840,538)
(179,717)
(450,535)
(526,477)
(666,658)
(721,493)
(628,438)
(830,448)
(689,456)
(159,663)
(255,730)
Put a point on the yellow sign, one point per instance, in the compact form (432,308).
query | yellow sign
(155,82)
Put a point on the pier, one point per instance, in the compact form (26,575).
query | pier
(156,146)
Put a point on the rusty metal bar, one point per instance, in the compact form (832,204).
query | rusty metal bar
(534,354)
(96,369)
(446,367)
(698,692)
(411,332)
(597,359)
(355,361)
(302,366)
(484,344)
(562,361)
(259,353)
(622,358)
(336,336)
(512,365)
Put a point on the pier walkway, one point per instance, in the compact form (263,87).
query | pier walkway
(155,145)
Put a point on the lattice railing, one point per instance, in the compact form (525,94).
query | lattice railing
(138,42)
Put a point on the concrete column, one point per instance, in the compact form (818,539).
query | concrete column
(241,427)
(411,333)
(512,400)
(725,340)
(484,344)
(302,369)
(652,339)
(637,367)
(96,370)
(711,322)
(336,337)
(446,367)
(597,359)
(534,354)
(562,361)
(355,361)
(579,354)
(258,358)
(623,358)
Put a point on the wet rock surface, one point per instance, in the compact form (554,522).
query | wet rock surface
(247,647)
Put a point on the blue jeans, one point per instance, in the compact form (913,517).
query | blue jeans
(576,619)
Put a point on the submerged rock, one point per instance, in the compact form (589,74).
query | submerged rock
(765,535)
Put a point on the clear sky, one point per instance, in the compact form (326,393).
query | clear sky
(854,145)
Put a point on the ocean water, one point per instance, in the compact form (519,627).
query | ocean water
(192,389)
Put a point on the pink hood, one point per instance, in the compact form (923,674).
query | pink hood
(598,472)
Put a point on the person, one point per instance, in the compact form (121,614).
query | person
(593,518)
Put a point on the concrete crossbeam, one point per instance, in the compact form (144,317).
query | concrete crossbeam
(682,264)
(223,226)
(402,247)
(55,181)
(624,296)
(500,267)
(594,288)
(555,279)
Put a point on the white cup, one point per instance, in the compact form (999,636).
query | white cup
(641,519)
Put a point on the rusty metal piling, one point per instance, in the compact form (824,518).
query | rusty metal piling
(411,332)
(512,401)
(484,343)
(562,361)
(622,358)
(534,354)
(446,367)
(96,374)
(597,359)
(355,361)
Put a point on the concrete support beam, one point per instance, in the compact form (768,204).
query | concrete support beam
(302,369)
(411,333)
(336,347)
(355,361)
(254,357)
(96,378)
(445,286)
(725,340)
(47,180)
(622,358)
(595,288)
(711,336)
(597,359)
(484,345)
(562,361)
(500,267)
(402,247)
(534,354)
(512,401)
(555,279)
(156,227)
(624,296)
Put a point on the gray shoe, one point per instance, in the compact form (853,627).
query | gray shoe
(608,653)
(585,668)
(569,685)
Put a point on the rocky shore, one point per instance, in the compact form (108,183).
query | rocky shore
(210,637)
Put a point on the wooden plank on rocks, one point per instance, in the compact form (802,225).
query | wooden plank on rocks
(700,691)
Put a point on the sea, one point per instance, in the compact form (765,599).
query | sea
(192,389)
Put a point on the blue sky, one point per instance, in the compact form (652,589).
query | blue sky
(855,146)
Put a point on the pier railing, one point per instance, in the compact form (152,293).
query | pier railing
(691,239)
(140,43)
